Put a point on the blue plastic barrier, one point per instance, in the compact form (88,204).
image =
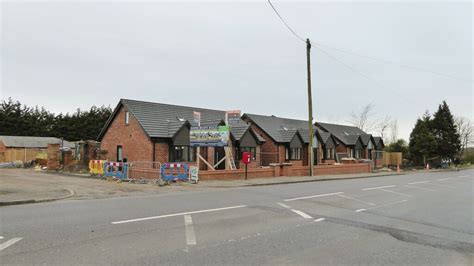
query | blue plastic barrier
(116,170)
(175,171)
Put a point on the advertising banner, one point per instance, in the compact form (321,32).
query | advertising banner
(214,136)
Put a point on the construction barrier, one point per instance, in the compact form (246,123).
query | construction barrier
(97,166)
(116,169)
(177,171)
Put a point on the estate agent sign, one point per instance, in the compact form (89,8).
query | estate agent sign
(213,136)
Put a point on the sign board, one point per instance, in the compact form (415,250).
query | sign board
(212,136)
(246,157)
(194,173)
(232,117)
(197,118)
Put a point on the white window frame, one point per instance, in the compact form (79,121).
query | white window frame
(127,118)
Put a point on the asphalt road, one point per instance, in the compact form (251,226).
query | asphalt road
(415,219)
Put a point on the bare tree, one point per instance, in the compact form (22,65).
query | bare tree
(465,129)
(363,118)
(383,126)
(393,131)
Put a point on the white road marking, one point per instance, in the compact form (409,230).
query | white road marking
(314,196)
(188,226)
(320,219)
(360,210)
(389,204)
(462,176)
(420,188)
(283,205)
(419,182)
(366,202)
(1,237)
(371,188)
(443,179)
(9,243)
(302,214)
(438,185)
(177,214)
(394,192)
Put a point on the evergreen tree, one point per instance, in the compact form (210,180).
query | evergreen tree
(445,132)
(422,141)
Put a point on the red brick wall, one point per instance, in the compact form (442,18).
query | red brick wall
(161,152)
(136,144)
(236,174)
(53,156)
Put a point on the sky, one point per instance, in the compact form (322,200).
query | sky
(404,57)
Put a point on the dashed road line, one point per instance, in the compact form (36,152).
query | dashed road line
(365,202)
(395,192)
(283,205)
(380,206)
(9,243)
(302,214)
(314,196)
(420,188)
(443,179)
(438,185)
(177,214)
(419,182)
(320,219)
(1,237)
(188,226)
(371,188)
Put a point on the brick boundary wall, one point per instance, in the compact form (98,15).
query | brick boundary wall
(275,170)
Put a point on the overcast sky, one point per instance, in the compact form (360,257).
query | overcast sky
(238,55)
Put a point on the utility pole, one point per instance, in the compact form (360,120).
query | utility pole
(310,108)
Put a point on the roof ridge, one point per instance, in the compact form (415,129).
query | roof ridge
(175,105)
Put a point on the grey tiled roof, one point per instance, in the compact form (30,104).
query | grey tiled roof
(155,118)
(346,134)
(31,142)
(324,136)
(273,126)
(379,142)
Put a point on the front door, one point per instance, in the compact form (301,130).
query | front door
(219,153)
(315,155)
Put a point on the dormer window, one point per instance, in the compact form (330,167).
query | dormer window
(127,118)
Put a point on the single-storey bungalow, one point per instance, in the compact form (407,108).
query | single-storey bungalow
(351,141)
(142,131)
(287,140)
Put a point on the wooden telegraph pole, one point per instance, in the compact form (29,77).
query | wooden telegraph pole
(310,108)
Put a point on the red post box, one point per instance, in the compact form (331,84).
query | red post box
(246,157)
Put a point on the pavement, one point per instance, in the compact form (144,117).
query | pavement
(421,218)
(24,186)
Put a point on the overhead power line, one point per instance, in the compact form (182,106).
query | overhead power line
(362,74)
(394,63)
(286,24)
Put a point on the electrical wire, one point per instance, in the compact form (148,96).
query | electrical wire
(394,63)
(286,24)
(363,75)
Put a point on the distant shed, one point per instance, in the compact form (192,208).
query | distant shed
(24,148)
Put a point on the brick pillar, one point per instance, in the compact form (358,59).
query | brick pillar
(53,156)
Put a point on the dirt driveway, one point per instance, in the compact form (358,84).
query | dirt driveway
(25,184)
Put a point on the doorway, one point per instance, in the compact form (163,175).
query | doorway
(219,153)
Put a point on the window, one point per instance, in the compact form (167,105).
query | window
(356,153)
(329,153)
(127,117)
(119,153)
(240,150)
(182,154)
(293,154)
